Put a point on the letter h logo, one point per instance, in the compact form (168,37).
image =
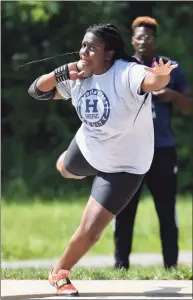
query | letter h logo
(91,105)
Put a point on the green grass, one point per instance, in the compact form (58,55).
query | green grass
(156,273)
(41,230)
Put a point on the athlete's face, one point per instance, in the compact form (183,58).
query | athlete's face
(93,54)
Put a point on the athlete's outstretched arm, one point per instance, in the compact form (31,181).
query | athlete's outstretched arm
(157,77)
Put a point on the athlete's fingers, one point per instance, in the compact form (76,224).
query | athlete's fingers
(173,66)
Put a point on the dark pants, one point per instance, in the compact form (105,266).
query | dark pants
(161,181)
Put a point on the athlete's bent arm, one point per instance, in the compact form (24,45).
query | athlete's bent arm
(44,87)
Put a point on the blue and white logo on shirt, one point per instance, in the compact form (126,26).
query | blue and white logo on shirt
(93,108)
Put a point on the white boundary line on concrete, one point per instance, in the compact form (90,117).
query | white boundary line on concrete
(112,298)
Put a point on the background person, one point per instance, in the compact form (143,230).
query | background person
(161,179)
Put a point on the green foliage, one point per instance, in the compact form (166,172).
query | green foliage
(34,133)
(175,41)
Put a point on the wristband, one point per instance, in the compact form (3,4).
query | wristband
(62,73)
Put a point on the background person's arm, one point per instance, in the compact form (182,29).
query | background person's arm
(179,94)
(184,101)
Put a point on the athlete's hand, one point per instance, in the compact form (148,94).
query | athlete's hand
(87,72)
(161,68)
(75,73)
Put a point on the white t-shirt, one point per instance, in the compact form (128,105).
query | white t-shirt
(107,105)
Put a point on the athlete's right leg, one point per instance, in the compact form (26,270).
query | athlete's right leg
(60,167)
(72,163)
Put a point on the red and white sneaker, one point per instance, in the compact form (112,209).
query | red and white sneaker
(62,283)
